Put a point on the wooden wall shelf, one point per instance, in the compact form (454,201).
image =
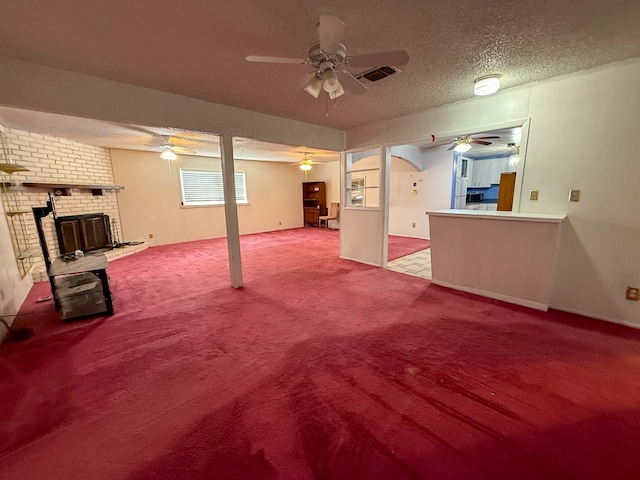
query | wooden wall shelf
(64,189)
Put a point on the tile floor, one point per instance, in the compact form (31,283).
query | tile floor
(417,264)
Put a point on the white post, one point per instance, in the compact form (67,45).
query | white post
(231,210)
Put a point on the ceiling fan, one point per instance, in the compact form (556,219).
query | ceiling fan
(306,163)
(168,145)
(463,143)
(329,60)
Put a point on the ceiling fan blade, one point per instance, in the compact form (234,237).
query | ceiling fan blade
(398,57)
(451,147)
(330,31)
(182,150)
(351,83)
(261,59)
(484,138)
(480,142)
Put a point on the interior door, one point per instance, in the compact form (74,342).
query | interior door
(364,199)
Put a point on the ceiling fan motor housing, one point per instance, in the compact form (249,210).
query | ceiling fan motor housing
(318,57)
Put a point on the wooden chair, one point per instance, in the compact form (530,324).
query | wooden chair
(333,214)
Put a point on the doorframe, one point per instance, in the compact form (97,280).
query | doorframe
(385,172)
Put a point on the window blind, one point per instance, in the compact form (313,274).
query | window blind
(204,187)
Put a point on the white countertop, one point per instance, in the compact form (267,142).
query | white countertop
(513,216)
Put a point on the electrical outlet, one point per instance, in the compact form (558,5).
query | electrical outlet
(533,195)
(574,195)
(151,235)
(633,293)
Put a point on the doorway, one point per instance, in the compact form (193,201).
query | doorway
(430,179)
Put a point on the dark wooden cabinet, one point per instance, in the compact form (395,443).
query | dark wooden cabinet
(314,202)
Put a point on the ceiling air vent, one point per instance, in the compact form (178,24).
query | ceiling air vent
(377,73)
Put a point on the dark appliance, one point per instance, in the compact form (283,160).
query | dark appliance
(475,197)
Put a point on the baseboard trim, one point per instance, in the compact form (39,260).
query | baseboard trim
(597,317)
(496,296)
(359,261)
(409,236)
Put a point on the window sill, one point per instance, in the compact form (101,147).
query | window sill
(218,205)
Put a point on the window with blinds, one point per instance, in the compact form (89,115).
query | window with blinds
(204,187)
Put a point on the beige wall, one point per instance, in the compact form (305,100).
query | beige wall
(151,200)
(433,186)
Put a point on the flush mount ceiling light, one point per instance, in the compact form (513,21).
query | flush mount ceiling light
(168,154)
(486,85)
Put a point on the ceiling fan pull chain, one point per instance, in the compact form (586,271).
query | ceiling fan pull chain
(326,105)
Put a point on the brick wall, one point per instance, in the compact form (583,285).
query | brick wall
(57,160)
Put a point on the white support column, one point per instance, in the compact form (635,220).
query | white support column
(231,210)
(385,187)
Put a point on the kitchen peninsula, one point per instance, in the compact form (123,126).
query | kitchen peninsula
(508,256)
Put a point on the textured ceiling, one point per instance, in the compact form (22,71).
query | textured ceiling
(197,47)
(145,138)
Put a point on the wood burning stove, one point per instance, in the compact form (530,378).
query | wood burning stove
(83,232)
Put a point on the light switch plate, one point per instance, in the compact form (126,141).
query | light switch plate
(533,195)
(574,195)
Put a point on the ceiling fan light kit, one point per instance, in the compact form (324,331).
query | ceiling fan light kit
(462,147)
(330,81)
(168,154)
(486,85)
(314,87)
(338,92)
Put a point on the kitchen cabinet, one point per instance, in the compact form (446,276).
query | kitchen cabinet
(498,165)
(481,174)
(484,173)
(482,206)
(476,206)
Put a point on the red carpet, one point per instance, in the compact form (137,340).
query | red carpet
(319,368)
(402,246)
